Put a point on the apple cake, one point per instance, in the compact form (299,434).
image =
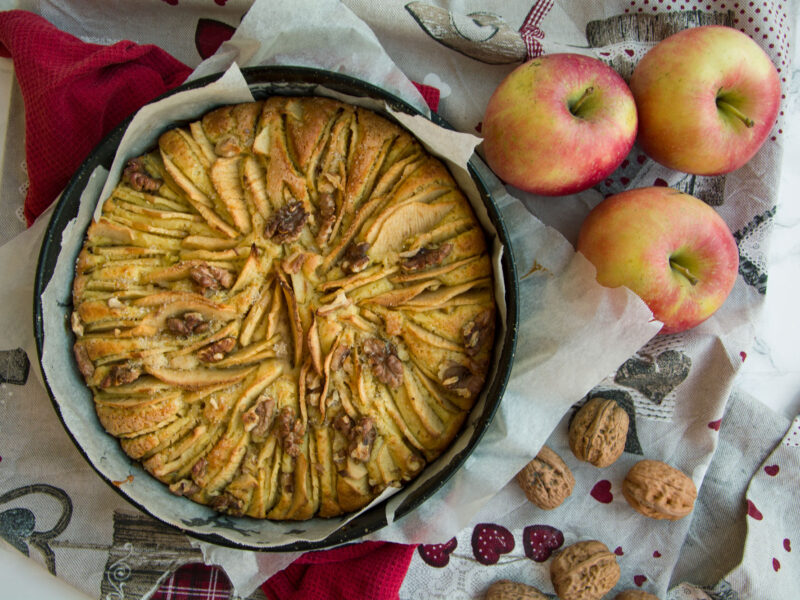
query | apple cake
(284,308)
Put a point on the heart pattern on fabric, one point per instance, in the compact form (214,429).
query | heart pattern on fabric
(209,35)
(654,377)
(14,366)
(539,541)
(437,555)
(627,171)
(16,526)
(752,511)
(602,491)
(772,470)
(490,541)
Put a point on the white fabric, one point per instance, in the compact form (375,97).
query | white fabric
(681,428)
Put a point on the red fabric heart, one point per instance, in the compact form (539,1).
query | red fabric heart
(209,35)
(540,541)
(602,491)
(75,93)
(489,541)
(753,511)
(437,555)
(772,470)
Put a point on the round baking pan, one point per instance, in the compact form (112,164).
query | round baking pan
(265,82)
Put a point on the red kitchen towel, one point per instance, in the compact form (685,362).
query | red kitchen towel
(369,570)
(74,94)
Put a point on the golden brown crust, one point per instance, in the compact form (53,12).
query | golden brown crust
(298,315)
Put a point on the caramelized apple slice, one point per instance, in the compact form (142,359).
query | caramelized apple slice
(295,322)
(224,175)
(198,378)
(199,200)
(130,421)
(403,222)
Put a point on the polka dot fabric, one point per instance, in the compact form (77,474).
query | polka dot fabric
(765,21)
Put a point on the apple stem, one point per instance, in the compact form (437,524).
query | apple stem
(683,271)
(579,102)
(726,106)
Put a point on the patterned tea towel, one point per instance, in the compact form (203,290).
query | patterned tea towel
(680,390)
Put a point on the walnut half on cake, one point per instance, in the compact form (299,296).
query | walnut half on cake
(284,308)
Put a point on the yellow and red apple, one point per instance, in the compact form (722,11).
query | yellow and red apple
(559,124)
(671,249)
(707,98)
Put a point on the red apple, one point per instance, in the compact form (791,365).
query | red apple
(559,124)
(670,248)
(707,98)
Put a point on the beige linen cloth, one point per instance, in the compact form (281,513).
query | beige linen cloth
(679,389)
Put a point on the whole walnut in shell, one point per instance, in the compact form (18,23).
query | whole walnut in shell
(659,491)
(584,571)
(512,590)
(598,432)
(547,480)
(635,595)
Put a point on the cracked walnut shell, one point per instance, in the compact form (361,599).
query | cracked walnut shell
(512,590)
(584,571)
(547,480)
(659,491)
(598,432)
(634,594)
(268,306)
